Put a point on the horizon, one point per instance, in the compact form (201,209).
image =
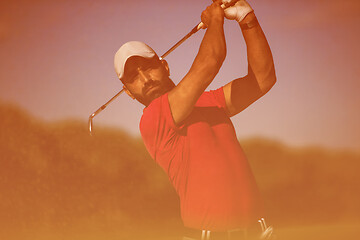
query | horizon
(98,127)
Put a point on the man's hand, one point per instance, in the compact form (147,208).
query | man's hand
(239,11)
(213,14)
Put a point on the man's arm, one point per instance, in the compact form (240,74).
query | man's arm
(206,65)
(242,92)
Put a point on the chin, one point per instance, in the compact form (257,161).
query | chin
(154,96)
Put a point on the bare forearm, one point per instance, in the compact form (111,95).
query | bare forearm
(213,44)
(205,67)
(211,53)
(260,59)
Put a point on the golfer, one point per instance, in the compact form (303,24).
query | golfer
(188,130)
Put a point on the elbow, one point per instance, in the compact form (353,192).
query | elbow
(268,82)
(271,79)
(265,76)
(271,82)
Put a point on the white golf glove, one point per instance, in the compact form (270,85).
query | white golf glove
(237,12)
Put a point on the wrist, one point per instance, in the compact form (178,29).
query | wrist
(248,18)
(250,21)
(218,22)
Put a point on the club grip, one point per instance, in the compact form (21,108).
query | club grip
(223,6)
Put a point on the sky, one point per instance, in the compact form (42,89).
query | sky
(56,61)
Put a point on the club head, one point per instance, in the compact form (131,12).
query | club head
(91,123)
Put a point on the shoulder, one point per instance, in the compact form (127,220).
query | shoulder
(213,97)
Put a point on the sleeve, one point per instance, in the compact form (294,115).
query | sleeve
(157,127)
(219,98)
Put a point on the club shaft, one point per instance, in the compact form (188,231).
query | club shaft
(193,31)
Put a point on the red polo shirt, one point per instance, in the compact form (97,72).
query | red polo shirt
(204,162)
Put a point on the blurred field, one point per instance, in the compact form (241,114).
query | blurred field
(57,182)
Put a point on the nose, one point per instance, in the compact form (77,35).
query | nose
(144,76)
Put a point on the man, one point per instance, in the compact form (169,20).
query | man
(188,132)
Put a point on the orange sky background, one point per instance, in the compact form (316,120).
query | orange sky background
(57,62)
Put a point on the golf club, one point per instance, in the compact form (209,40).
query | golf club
(100,109)
(194,30)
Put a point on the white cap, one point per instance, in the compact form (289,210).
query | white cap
(130,49)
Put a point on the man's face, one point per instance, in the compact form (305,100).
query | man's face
(146,79)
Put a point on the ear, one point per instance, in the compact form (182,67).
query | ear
(128,92)
(166,65)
